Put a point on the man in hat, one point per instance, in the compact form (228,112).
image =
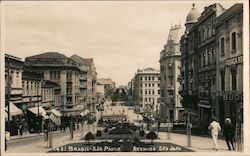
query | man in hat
(215,128)
(229,134)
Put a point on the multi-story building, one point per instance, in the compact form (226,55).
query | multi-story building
(87,81)
(13,80)
(109,86)
(32,99)
(58,68)
(229,41)
(206,60)
(13,92)
(170,65)
(188,48)
(212,61)
(147,90)
(189,69)
(50,94)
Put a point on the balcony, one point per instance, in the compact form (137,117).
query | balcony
(83,85)
(170,87)
(83,78)
(14,91)
(69,79)
(69,94)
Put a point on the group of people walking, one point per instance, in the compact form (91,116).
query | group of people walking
(228,133)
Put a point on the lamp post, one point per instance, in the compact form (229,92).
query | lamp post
(71,128)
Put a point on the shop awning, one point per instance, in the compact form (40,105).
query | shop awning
(41,111)
(55,112)
(14,110)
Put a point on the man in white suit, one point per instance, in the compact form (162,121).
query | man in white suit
(215,128)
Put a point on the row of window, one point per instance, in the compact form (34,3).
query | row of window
(233,42)
(207,58)
(54,75)
(151,100)
(233,79)
(47,94)
(150,84)
(149,92)
(206,32)
(149,78)
(31,88)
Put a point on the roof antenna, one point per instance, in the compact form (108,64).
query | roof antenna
(193,5)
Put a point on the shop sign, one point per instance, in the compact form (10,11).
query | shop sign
(234,60)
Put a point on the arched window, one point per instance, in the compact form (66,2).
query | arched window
(233,41)
(222,46)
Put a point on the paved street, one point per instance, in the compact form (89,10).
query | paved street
(36,143)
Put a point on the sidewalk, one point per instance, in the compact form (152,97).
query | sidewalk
(198,143)
(29,135)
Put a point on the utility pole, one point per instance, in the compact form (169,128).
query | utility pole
(71,127)
(188,130)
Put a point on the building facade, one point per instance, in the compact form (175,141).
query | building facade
(189,69)
(147,90)
(229,39)
(206,60)
(87,80)
(170,65)
(58,68)
(51,95)
(13,80)
(212,59)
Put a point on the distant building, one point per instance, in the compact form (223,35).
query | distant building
(147,90)
(229,79)
(58,68)
(108,84)
(170,65)
(87,81)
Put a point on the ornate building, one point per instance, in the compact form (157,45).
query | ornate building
(58,68)
(206,62)
(170,64)
(229,41)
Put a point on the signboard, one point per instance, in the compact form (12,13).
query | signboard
(234,60)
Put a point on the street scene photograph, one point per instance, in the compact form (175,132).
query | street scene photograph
(122,76)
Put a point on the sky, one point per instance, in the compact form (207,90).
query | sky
(121,36)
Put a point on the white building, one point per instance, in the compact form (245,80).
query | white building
(147,90)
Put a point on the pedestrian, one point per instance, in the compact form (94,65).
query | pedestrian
(46,131)
(21,129)
(215,128)
(229,134)
(159,125)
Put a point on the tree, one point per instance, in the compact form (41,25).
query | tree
(189,100)
(151,135)
(89,136)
